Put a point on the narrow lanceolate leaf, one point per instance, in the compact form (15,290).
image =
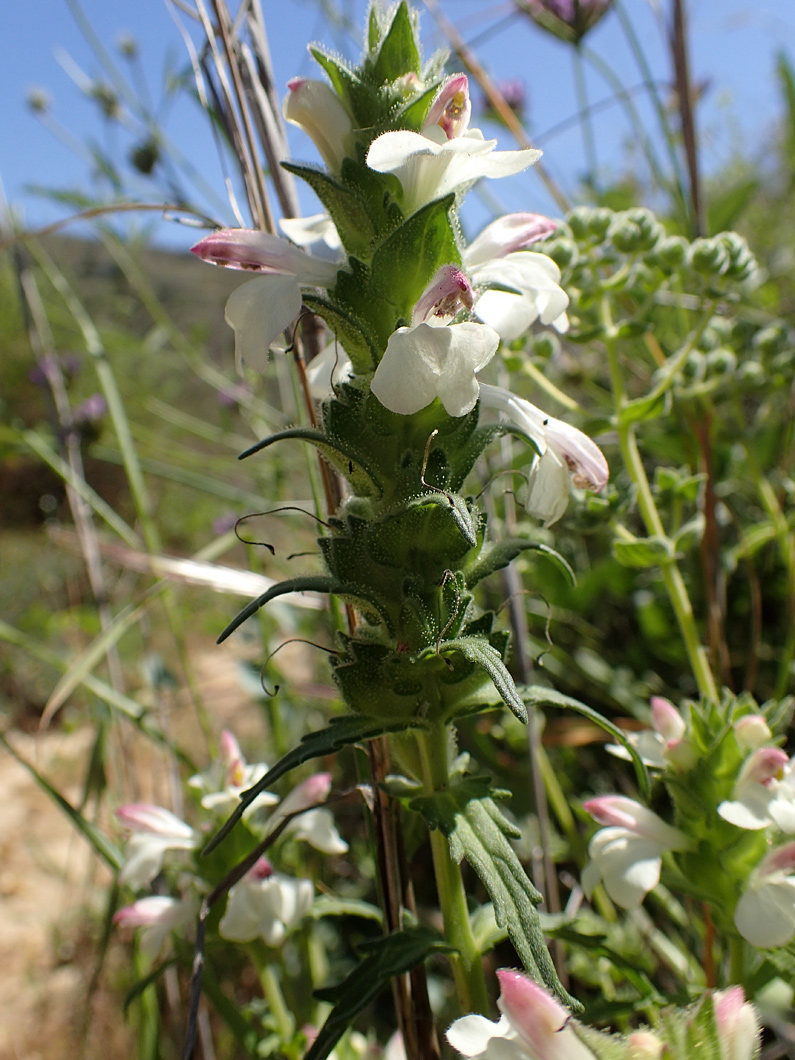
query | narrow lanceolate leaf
(311,583)
(643,552)
(538,696)
(108,851)
(405,260)
(347,210)
(360,473)
(385,958)
(342,732)
(478,650)
(478,831)
(351,332)
(398,54)
(501,554)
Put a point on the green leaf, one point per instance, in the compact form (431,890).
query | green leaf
(478,650)
(349,729)
(724,211)
(361,99)
(373,29)
(650,407)
(138,988)
(501,554)
(385,958)
(319,583)
(539,696)
(330,905)
(108,851)
(352,333)
(477,830)
(405,262)
(347,210)
(348,461)
(310,583)
(399,53)
(343,79)
(639,554)
(412,116)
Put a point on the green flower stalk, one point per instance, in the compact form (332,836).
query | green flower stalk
(416,315)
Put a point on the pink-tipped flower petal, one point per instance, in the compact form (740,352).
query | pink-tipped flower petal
(452,107)
(514,231)
(448,292)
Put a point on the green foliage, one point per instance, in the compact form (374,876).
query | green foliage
(383,959)
(478,831)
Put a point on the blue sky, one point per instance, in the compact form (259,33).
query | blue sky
(734,43)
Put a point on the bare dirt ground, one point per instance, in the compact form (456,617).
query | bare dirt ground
(53,887)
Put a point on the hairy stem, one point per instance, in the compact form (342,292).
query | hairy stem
(467,965)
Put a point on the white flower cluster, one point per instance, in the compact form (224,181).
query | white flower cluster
(626,856)
(265,904)
(502,283)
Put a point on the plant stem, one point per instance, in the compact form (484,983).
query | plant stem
(672,576)
(737,961)
(467,965)
(589,143)
(275,998)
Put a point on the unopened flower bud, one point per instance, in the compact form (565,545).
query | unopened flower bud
(38,99)
(643,1045)
(721,361)
(666,719)
(563,252)
(709,257)
(635,230)
(127,45)
(579,220)
(319,111)
(742,263)
(670,253)
(569,20)
(752,374)
(770,340)
(752,731)
(599,222)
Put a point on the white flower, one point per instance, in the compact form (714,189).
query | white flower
(314,826)
(158,915)
(498,256)
(765,914)
(265,904)
(330,367)
(627,856)
(316,234)
(451,108)
(752,731)
(317,109)
(764,792)
(566,455)
(429,166)
(664,743)
(155,831)
(425,362)
(261,309)
(229,777)
(533,1026)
